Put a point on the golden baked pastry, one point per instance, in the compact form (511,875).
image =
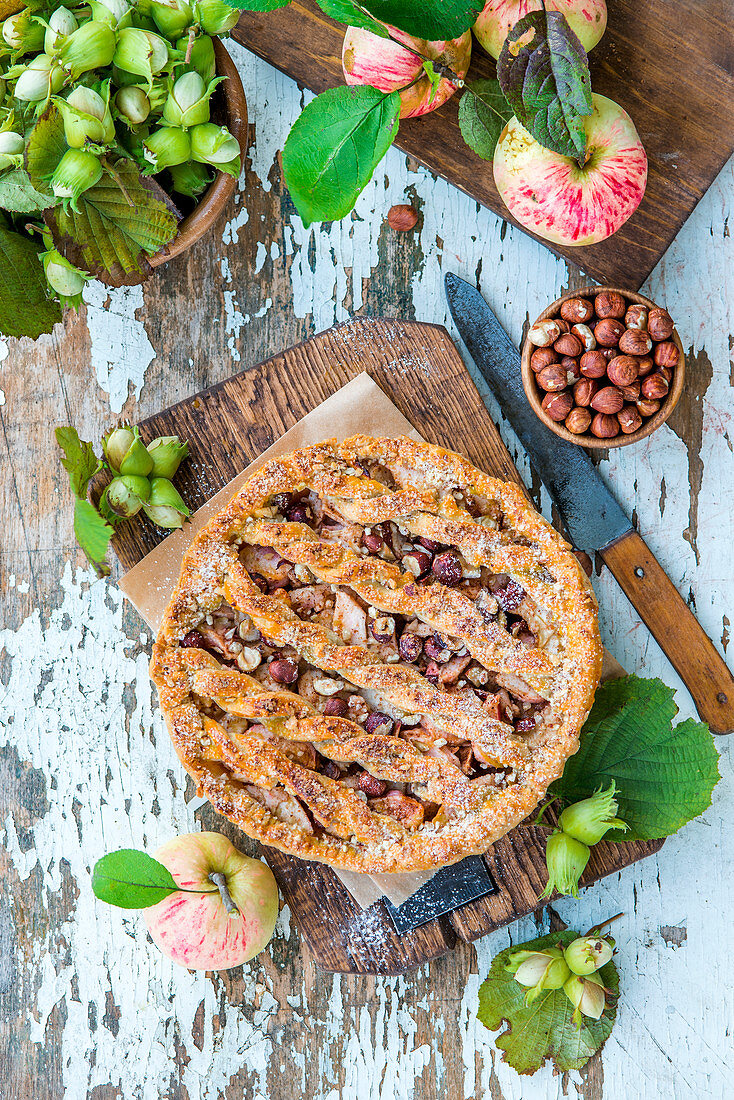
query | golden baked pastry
(377,656)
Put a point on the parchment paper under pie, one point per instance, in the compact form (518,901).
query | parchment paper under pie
(358,407)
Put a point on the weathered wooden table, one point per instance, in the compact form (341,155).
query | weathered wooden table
(89,1008)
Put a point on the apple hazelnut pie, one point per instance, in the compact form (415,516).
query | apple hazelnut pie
(377,656)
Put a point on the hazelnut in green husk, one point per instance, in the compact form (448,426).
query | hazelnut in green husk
(165,507)
(76,172)
(166,146)
(589,820)
(587,995)
(538,970)
(566,859)
(167,453)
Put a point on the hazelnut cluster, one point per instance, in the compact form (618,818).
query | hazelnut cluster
(605,364)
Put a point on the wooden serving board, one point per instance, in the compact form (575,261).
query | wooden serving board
(668,65)
(229,425)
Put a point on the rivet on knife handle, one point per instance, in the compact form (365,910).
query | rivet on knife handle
(675,628)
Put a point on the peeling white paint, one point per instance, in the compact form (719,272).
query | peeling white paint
(121,350)
(114,782)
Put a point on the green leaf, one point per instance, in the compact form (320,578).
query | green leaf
(544,1029)
(93,534)
(544,73)
(80,461)
(111,237)
(45,146)
(434,78)
(335,146)
(257,5)
(25,306)
(131,879)
(353,14)
(437,20)
(665,774)
(18,194)
(483,112)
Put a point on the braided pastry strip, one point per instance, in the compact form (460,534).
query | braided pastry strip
(401,685)
(337,808)
(338,739)
(391,589)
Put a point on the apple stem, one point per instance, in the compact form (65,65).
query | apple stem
(442,70)
(221,883)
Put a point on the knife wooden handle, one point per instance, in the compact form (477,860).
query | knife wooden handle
(674,627)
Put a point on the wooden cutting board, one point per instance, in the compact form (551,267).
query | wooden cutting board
(668,65)
(229,425)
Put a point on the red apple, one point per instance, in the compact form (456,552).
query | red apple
(552,196)
(196,929)
(369,59)
(586,18)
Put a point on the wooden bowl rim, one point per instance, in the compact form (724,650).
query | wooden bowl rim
(216,197)
(587,440)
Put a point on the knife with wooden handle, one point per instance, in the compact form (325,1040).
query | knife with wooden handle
(592,516)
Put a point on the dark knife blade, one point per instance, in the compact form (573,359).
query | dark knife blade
(590,512)
(592,516)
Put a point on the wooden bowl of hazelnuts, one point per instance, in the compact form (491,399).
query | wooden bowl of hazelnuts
(603,367)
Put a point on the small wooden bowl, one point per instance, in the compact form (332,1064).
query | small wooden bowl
(535,395)
(230,110)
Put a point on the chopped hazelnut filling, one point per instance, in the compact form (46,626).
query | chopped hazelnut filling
(231,637)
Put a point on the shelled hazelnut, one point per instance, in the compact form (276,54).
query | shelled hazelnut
(604,365)
(558,405)
(610,304)
(593,364)
(634,341)
(543,357)
(622,370)
(578,421)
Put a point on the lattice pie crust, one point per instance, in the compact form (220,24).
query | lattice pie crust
(377,656)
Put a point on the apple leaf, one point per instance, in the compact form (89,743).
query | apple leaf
(353,14)
(543,1029)
(483,112)
(25,306)
(131,879)
(334,147)
(664,774)
(18,194)
(121,221)
(438,20)
(544,73)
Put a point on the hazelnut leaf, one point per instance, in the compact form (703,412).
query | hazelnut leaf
(543,1029)
(544,73)
(120,221)
(25,308)
(664,774)
(483,112)
(18,195)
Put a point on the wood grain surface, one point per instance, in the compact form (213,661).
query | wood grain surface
(89,1009)
(432,388)
(664,65)
(690,652)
